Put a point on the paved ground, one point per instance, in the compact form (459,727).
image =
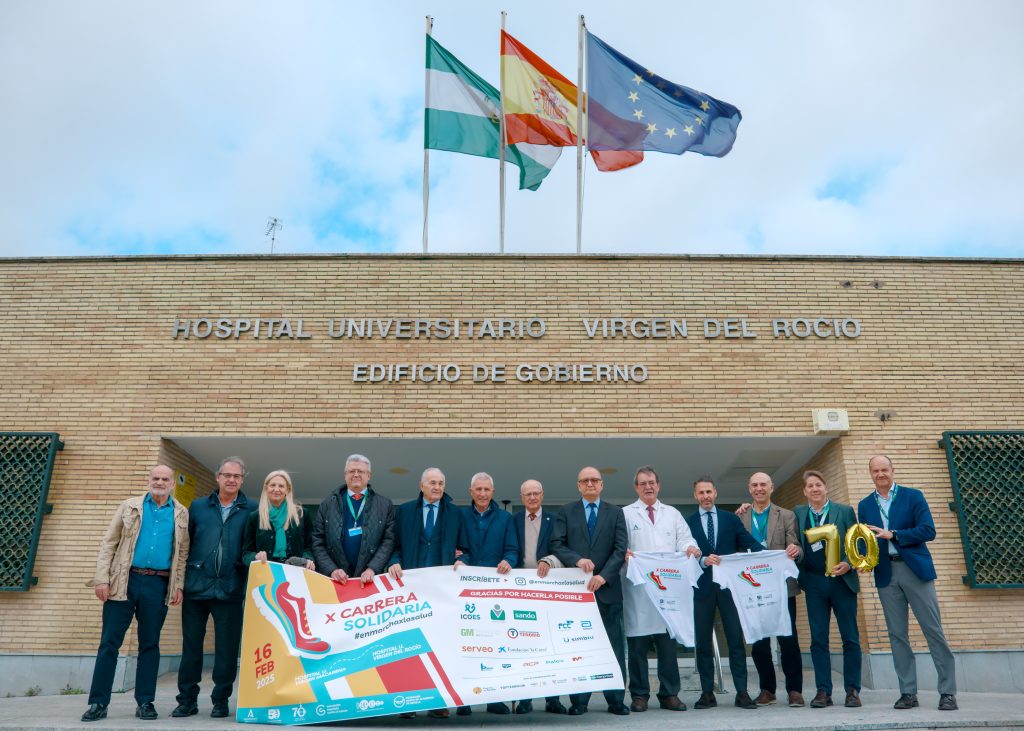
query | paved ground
(977,710)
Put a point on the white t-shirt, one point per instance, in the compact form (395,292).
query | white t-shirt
(757,582)
(668,579)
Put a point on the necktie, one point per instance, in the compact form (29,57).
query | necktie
(428,527)
(357,496)
(710,530)
(533,516)
(591,519)
(650,512)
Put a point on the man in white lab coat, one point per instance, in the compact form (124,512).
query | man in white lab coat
(652,526)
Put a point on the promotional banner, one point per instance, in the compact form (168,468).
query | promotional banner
(315,651)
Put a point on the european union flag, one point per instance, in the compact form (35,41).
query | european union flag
(632,108)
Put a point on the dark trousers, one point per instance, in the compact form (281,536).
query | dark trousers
(704,606)
(825,596)
(611,618)
(227,635)
(145,601)
(668,665)
(789,648)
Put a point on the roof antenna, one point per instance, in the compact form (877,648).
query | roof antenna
(273,226)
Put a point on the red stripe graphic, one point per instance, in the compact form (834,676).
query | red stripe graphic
(444,678)
(530,594)
(387,584)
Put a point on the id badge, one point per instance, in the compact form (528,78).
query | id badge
(357,531)
(817,546)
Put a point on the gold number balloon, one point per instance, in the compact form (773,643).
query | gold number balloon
(830,534)
(869,558)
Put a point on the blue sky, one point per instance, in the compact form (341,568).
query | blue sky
(145,128)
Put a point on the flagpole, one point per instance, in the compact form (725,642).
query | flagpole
(426,150)
(580,100)
(501,150)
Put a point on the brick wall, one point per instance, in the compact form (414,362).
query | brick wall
(86,351)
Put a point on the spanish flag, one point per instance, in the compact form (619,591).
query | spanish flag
(541,106)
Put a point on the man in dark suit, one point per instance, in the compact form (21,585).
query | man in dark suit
(828,594)
(354,529)
(533,531)
(591,535)
(718,533)
(774,527)
(905,575)
(426,534)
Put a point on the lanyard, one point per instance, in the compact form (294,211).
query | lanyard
(759,522)
(892,496)
(355,513)
(824,514)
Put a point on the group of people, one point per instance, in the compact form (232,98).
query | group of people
(156,554)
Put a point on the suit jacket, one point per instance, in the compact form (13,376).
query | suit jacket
(910,517)
(378,538)
(842,517)
(730,537)
(547,523)
(409,528)
(782,531)
(490,543)
(570,541)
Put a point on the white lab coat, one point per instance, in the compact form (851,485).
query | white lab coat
(669,533)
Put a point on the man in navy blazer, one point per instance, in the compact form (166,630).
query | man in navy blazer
(533,531)
(590,534)
(905,576)
(718,533)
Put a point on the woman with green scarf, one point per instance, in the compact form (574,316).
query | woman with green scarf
(279,530)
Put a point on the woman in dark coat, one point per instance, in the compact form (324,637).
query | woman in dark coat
(279,530)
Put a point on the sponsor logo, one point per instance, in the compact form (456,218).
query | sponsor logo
(522,616)
(478,690)
(557,661)
(601,676)
(506,665)
(485,668)
(398,701)
(321,711)
(577,638)
(512,632)
(566,625)
(577,658)
(586,624)
(497,613)
(466,632)
(469,612)
(480,579)
(531,663)
(368,704)
(273,713)
(298,712)
(477,648)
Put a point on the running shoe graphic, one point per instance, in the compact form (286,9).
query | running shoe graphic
(287,613)
(653,576)
(745,575)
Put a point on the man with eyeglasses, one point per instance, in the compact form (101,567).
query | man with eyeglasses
(214,585)
(591,535)
(354,530)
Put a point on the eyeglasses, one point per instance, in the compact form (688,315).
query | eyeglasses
(594,480)
(357,472)
(230,475)
(532,494)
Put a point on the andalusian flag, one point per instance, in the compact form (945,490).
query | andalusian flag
(541,105)
(462,115)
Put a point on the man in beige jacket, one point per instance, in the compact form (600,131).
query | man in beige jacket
(139,573)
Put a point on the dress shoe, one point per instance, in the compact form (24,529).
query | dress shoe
(438,713)
(852,698)
(554,706)
(498,709)
(905,701)
(407,714)
(220,709)
(796,699)
(947,702)
(185,708)
(706,700)
(821,699)
(524,707)
(463,711)
(766,698)
(639,704)
(671,703)
(146,712)
(96,712)
(619,709)
(575,710)
(743,700)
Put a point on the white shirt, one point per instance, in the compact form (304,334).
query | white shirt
(669,533)
(757,582)
(665,581)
